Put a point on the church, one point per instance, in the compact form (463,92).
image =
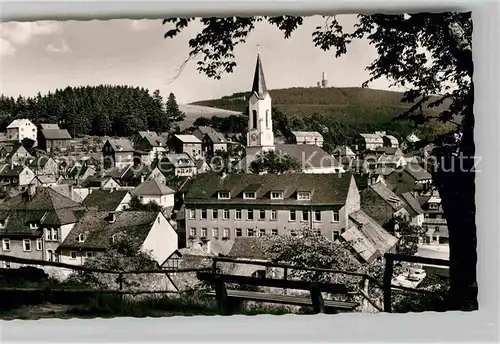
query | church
(260,137)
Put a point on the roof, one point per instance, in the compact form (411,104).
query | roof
(309,155)
(214,135)
(384,171)
(344,151)
(188,138)
(67,191)
(121,145)
(152,187)
(417,172)
(372,138)
(367,237)
(105,200)
(200,162)
(389,150)
(308,134)
(389,159)
(392,139)
(179,160)
(97,230)
(56,134)
(47,179)
(248,247)
(411,204)
(412,138)
(259,87)
(49,126)
(326,189)
(18,122)
(154,139)
(387,195)
(7,170)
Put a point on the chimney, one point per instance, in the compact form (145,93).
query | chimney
(111,217)
(31,190)
(360,226)
(142,178)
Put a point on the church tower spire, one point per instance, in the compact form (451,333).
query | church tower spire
(260,135)
(259,82)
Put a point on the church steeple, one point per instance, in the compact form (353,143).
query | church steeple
(259,82)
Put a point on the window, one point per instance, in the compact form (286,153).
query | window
(276,195)
(26,245)
(7,265)
(336,217)
(317,215)
(238,232)
(335,235)
(303,196)
(203,232)
(250,232)
(223,195)
(249,214)
(80,238)
(274,231)
(192,232)
(262,232)
(73,254)
(305,215)
(6,244)
(274,215)
(215,213)
(262,214)
(204,214)
(237,215)
(254,119)
(226,233)
(249,195)
(33,225)
(292,215)
(215,232)
(192,214)
(90,254)
(39,244)
(47,234)
(225,214)
(267,118)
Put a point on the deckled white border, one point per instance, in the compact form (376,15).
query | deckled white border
(426,327)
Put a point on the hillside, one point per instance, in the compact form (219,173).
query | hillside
(342,112)
(194,112)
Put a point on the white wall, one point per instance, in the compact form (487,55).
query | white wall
(26,176)
(65,229)
(164,201)
(124,203)
(161,240)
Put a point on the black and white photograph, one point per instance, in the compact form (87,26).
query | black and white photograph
(259,165)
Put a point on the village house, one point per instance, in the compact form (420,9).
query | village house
(117,153)
(414,208)
(202,166)
(409,178)
(152,143)
(409,142)
(104,183)
(178,165)
(15,177)
(108,200)
(390,141)
(80,173)
(15,154)
(382,205)
(33,224)
(370,142)
(308,138)
(97,230)
(345,156)
(74,193)
(52,138)
(236,205)
(434,220)
(45,180)
(21,129)
(43,166)
(189,144)
(134,175)
(211,140)
(153,191)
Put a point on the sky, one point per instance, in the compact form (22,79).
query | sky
(43,56)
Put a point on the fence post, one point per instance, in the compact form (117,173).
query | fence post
(221,295)
(120,281)
(317,298)
(389,267)
(285,277)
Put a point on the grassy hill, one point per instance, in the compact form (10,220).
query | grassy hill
(350,109)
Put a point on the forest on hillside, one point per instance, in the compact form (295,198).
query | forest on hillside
(339,114)
(95,110)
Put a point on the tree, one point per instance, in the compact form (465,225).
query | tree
(136,205)
(174,114)
(124,254)
(429,54)
(273,162)
(409,237)
(27,143)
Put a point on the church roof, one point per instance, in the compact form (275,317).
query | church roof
(259,83)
